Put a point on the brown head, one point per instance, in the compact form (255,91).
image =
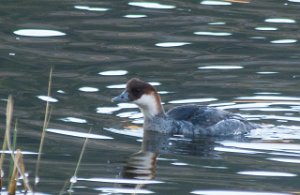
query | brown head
(143,95)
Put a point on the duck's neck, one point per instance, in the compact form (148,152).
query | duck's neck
(151,106)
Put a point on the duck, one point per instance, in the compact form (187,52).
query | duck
(187,120)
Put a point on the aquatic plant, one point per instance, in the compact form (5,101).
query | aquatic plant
(17,160)
(45,125)
(73,179)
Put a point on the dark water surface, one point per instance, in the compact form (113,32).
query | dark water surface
(242,56)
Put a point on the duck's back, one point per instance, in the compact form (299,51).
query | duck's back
(211,121)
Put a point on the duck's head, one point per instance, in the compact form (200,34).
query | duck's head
(143,95)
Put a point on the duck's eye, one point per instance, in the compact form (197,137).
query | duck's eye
(136,90)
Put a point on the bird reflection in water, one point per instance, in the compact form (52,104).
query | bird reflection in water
(142,165)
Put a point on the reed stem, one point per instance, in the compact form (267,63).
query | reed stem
(78,163)
(9,113)
(45,125)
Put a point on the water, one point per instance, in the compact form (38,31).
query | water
(242,56)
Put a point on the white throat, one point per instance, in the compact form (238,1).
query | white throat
(150,105)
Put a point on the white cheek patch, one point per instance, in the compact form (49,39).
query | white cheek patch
(148,104)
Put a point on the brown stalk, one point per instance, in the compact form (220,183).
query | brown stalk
(45,125)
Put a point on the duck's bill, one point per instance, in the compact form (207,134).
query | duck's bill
(123,97)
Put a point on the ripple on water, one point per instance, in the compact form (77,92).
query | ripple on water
(131,115)
(78,134)
(291,148)
(267,173)
(151,5)
(27,193)
(221,67)
(110,110)
(236,150)
(217,23)
(216,34)
(88,89)
(39,33)
(123,86)
(74,120)
(107,110)
(123,190)
(266,28)
(23,152)
(88,8)
(286,160)
(133,16)
(284,41)
(228,192)
(61,91)
(269,97)
(120,181)
(197,100)
(172,44)
(47,98)
(130,132)
(113,73)
(267,72)
(179,164)
(280,20)
(212,2)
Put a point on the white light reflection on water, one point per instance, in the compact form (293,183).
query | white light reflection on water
(258,37)
(27,193)
(78,134)
(213,2)
(47,98)
(110,110)
(284,41)
(121,181)
(130,132)
(119,86)
(198,100)
(228,192)
(280,20)
(61,91)
(123,190)
(113,73)
(88,89)
(273,98)
(88,8)
(107,110)
(171,44)
(267,173)
(151,5)
(123,86)
(266,28)
(179,164)
(267,93)
(131,115)
(292,148)
(267,72)
(217,34)
(236,150)
(134,16)
(39,33)
(286,160)
(217,23)
(281,132)
(127,105)
(74,120)
(220,67)
(23,152)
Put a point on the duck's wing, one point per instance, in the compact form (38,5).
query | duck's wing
(201,115)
